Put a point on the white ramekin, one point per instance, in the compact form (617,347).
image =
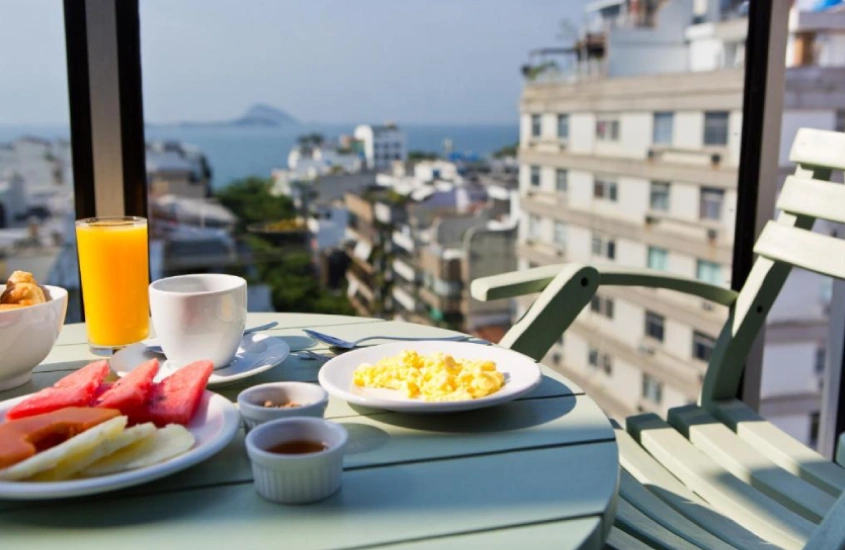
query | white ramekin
(312,398)
(296,479)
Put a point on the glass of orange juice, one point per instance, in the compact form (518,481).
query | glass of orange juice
(114,265)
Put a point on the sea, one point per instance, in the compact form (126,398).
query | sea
(238,151)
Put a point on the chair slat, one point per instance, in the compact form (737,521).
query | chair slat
(818,148)
(640,526)
(723,491)
(748,464)
(653,476)
(620,540)
(815,198)
(831,533)
(802,248)
(783,450)
(646,502)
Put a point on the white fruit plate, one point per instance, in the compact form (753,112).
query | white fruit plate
(213,427)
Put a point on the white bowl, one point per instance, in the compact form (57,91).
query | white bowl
(27,335)
(300,478)
(312,400)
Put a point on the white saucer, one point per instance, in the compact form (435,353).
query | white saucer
(256,354)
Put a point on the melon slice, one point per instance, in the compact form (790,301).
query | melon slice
(76,462)
(77,448)
(129,394)
(164,444)
(175,399)
(74,390)
(21,439)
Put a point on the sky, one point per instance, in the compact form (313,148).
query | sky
(410,61)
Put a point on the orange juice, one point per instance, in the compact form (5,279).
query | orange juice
(114,265)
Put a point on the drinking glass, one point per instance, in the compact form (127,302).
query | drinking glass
(114,266)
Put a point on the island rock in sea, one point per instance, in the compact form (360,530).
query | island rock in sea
(265,115)
(257,115)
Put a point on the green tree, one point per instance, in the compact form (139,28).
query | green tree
(421,155)
(250,201)
(506,151)
(288,271)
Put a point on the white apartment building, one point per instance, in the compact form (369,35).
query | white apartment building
(641,170)
(383,145)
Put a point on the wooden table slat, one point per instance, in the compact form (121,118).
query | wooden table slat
(374,506)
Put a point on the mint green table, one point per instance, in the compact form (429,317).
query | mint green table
(540,472)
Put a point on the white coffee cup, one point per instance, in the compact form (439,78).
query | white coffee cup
(199,317)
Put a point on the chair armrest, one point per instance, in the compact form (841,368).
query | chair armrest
(515,283)
(611,275)
(566,289)
(518,283)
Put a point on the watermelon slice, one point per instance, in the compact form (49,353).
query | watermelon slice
(74,390)
(175,399)
(129,394)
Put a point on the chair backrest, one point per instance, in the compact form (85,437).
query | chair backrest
(785,242)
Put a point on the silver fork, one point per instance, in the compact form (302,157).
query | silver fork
(350,344)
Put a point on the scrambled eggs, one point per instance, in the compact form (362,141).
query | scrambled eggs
(435,377)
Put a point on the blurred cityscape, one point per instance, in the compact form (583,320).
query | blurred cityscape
(627,153)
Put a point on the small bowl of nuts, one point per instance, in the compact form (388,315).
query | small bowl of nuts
(265,402)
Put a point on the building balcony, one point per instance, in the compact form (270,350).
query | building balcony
(445,304)
(360,208)
(404,241)
(406,271)
(721,176)
(404,298)
(700,242)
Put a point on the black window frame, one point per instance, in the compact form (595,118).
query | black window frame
(655,326)
(710,138)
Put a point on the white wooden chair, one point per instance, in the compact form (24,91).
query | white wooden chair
(714,475)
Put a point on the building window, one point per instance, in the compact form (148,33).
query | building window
(598,246)
(607,128)
(605,189)
(710,203)
(606,248)
(654,324)
(536,126)
(716,128)
(535,176)
(839,126)
(709,272)
(814,429)
(561,180)
(593,357)
(607,364)
(663,128)
(659,196)
(702,346)
(533,227)
(652,389)
(658,258)
(611,250)
(560,234)
(819,362)
(602,306)
(563,126)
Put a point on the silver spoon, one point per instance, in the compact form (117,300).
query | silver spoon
(159,351)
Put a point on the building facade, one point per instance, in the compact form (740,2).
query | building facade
(382,144)
(635,164)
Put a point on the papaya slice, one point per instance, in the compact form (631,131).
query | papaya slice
(21,439)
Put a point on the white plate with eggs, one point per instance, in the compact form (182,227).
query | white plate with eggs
(521,375)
